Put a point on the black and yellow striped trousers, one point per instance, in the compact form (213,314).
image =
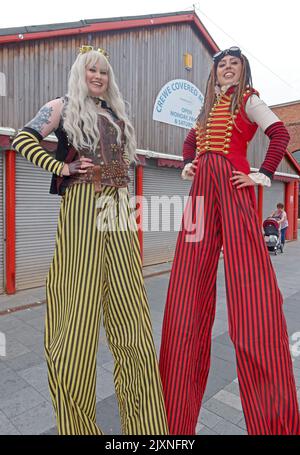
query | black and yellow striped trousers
(96,270)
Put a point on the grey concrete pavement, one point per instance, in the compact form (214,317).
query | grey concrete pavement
(25,405)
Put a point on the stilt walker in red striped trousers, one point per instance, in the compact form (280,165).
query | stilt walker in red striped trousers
(215,156)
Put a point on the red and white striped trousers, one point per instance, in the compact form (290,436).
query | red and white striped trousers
(257,325)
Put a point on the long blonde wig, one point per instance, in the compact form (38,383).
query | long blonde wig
(81,112)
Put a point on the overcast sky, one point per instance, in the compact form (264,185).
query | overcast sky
(266,30)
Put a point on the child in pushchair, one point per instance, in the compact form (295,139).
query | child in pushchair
(272,236)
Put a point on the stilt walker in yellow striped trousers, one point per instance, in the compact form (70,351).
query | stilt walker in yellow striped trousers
(96,268)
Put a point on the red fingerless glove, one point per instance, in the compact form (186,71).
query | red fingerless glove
(279,139)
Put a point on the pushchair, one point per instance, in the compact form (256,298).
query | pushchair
(272,235)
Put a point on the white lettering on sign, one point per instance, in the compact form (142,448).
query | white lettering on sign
(178,103)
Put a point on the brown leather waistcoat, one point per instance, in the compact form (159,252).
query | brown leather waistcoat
(110,166)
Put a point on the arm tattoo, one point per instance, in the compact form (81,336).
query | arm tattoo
(41,119)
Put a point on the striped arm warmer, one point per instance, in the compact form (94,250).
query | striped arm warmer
(27,144)
(189,147)
(279,139)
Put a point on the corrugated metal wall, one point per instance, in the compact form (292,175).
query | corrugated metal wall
(161,223)
(131,186)
(1,225)
(36,221)
(272,196)
(143,59)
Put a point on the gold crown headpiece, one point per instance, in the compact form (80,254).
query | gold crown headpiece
(86,48)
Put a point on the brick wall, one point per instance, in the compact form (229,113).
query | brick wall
(290,115)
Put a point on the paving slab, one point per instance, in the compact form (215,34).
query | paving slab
(25,403)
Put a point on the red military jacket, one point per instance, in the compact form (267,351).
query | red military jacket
(225,134)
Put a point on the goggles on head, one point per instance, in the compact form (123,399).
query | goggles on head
(234,51)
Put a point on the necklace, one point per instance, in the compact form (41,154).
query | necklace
(100,101)
(97,101)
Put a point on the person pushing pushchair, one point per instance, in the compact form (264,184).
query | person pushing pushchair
(275,227)
(280,215)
